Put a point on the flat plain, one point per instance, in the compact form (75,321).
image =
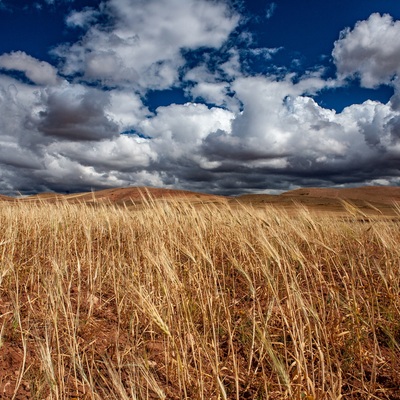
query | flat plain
(142,293)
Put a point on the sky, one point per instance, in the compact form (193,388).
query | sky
(218,96)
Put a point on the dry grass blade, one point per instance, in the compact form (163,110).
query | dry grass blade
(171,299)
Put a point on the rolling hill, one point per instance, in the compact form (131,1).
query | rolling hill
(368,198)
(127,195)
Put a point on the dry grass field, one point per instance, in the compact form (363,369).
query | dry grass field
(212,300)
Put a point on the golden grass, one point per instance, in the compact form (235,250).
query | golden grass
(172,301)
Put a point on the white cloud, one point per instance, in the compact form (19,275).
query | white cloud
(124,153)
(277,122)
(233,67)
(143,46)
(282,129)
(262,132)
(179,129)
(270,10)
(39,72)
(215,93)
(200,73)
(50,2)
(371,51)
(126,109)
(58,169)
(214,87)
(265,52)
(82,19)
(66,138)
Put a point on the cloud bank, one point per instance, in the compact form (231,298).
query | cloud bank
(83,123)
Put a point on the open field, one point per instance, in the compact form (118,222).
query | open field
(207,300)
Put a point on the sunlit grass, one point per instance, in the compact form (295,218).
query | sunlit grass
(173,301)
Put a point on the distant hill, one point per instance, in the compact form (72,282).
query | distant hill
(124,195)
(324,199)
(6,198)
(331,199)
(378,194)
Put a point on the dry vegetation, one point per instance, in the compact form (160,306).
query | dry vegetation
(173,301)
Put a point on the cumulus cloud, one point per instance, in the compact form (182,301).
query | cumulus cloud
(277,123)
(66,138)
(142,43)
(122,154)
(370,51)
(93,130)
(39,72)
(126,109)
(283,134)
(177,131)
(282,137)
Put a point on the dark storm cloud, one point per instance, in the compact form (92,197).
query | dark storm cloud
(393,126)
(76,116)
(219,146)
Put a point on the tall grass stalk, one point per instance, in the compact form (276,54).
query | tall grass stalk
(167,299)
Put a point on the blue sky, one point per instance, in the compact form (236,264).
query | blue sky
(217,96)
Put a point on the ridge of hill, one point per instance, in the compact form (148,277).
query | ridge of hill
(126,194)
(375,199)
(380,194)
(6,198)
(329,199)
